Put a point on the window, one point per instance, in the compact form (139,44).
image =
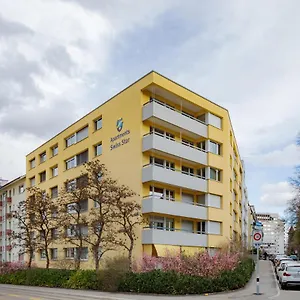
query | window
(21,189)
(98,124)
(161,132)
(82,134)
(71,163)
(170,136)
(54,192)
(42,157)
(187,170)
(215,174)
(215,148)
(32,181)
(77,160)
(43,254)
(54,233)
(202,118)
(70,140)
(54,171)
(162,193)
(201,228)
(98,149)
(161,223)
(54,150)
(43,176)
(32,163)
(187,142)
(74,207)
(84,253)
(53,253)
(201,173)
(215,121)
(187,226)
(170,165)
(71,185)
(201,145)
(78,136)
(69,253)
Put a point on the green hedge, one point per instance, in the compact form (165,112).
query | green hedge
(157,282)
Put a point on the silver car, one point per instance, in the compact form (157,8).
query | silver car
(280,269)
(290,275)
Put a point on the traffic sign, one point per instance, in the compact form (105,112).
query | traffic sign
(257,236)
(256,245)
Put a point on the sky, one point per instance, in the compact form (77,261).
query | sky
(59,59)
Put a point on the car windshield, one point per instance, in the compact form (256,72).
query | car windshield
(293,268)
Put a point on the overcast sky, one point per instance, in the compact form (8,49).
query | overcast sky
(61,58)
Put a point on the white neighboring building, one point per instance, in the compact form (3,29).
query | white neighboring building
(10,195)
(245,212)
(2,181)
(274,233)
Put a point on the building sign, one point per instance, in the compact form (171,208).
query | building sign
(120,139)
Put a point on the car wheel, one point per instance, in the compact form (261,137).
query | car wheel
(283,286)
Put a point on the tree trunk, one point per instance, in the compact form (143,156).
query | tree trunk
(47,259)
(130,255)
(96,258)
(30,260)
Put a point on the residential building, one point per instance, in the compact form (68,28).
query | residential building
(174,148)
(3,181)
(10,196)
(273,233)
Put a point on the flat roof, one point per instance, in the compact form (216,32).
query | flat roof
(12,181)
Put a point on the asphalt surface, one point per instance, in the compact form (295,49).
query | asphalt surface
(269,289)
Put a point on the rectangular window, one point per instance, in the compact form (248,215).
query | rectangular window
(84,253)
(215,148)
(98,149)
(201,145)
(54,192)
(69,253)
(187,170)
(82,158)
(98,124)
(187,226)
(54,171)
(71,163)
(70,140)
(32,163)
(170,165)
(81,206)
(71,185)
(202,118)
(215,174)
(54,233)
(54,150)
(201,228)
(201,173)
(43,254)
(32,181)
(21,189)
(215,121)
(82,134)
(42,157)
(157,131)
(54,253)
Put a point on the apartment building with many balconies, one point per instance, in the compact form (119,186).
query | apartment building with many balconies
(10,196)
(174,148)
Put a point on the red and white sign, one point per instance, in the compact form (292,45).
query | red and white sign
(257,236)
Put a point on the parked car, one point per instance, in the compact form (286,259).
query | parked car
(294,257)
(290,275)
(279,260)
(280,269)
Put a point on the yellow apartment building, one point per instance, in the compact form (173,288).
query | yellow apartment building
(173,147)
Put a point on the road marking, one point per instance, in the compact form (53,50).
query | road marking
(276,282)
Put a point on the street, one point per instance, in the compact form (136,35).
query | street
(268,287)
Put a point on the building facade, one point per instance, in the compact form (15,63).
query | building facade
(273,233)
(10,196)
(174,148)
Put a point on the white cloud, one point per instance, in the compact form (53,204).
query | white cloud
(289,156)
(276,194)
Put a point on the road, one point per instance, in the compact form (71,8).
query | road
(268,287)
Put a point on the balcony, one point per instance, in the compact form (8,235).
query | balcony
(8,215)
(154,204)
(8,199)
(157,173)
(166,115)
(8,248)
(1,218)
(174,237)
(8,231)
(156,141)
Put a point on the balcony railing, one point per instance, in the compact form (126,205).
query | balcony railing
(8,231)
(174,109)
(8,199)
(174,229)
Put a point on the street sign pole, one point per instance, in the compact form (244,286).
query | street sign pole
(257,237)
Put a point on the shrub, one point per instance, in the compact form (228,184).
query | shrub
(200,264)
(84,279)
(171,282)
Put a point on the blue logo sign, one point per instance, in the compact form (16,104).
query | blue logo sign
(119,124)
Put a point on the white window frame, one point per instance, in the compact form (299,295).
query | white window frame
(54,150)
(43,157)
(71,159)
(96,123)
(96,149)
(54,174)
(190,172)
(218,174)
(32,181)
(32,163)
(214,148)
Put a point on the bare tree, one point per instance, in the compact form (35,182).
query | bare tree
(40,207)
(127,214)
(24,238)
(72,212)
